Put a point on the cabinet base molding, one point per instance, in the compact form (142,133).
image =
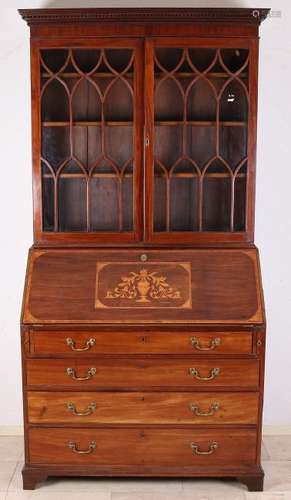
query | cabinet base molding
(252,478)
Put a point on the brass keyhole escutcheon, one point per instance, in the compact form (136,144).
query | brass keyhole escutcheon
(143,257)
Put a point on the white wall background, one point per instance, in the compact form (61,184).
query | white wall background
(273,214)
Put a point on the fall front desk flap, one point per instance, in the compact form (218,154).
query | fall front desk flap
(136,286)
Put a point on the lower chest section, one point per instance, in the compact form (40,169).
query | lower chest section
(143,398)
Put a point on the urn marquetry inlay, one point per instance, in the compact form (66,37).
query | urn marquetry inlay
(155,285)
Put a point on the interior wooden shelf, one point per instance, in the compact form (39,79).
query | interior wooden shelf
(218,175)
(112,176)
(81,176)
(88,124)
(201,123)
(211,74)
(168,123)
(179,74)
(92,75)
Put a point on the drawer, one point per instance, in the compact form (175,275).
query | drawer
(85,343)
(142,407)
(132,446)
(143,372)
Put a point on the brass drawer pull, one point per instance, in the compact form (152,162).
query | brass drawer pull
(212,409)
(212,448)
(74,448)
(72,373)
(72,344)
(89,410)
(212,345)
(212,374)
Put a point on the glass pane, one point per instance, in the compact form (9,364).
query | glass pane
(87,113)
(183,199)
(127,199)
(72,198)
(48,194)
(201,102)
(104,206)
(55,145)
(240,188)
(201,117)
(216,198)
(55,102)
(87,145)
(86,104)
(160,200)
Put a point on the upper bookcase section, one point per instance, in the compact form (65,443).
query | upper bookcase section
(144,125)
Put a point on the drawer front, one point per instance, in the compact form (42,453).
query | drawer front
(86,343)
(141,446)
(135,373)
(142,407)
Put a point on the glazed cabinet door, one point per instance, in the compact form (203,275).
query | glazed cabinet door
(200,132)
(87,133)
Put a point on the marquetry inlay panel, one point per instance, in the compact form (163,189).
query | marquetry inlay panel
(135,285)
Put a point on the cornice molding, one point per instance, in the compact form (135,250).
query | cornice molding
(144,15)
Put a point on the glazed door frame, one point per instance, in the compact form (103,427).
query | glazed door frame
(42,237)
(143,143)
(199,237)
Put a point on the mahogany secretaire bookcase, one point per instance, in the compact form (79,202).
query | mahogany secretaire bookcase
(143,326)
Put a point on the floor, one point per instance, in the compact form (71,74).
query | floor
(276,456)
